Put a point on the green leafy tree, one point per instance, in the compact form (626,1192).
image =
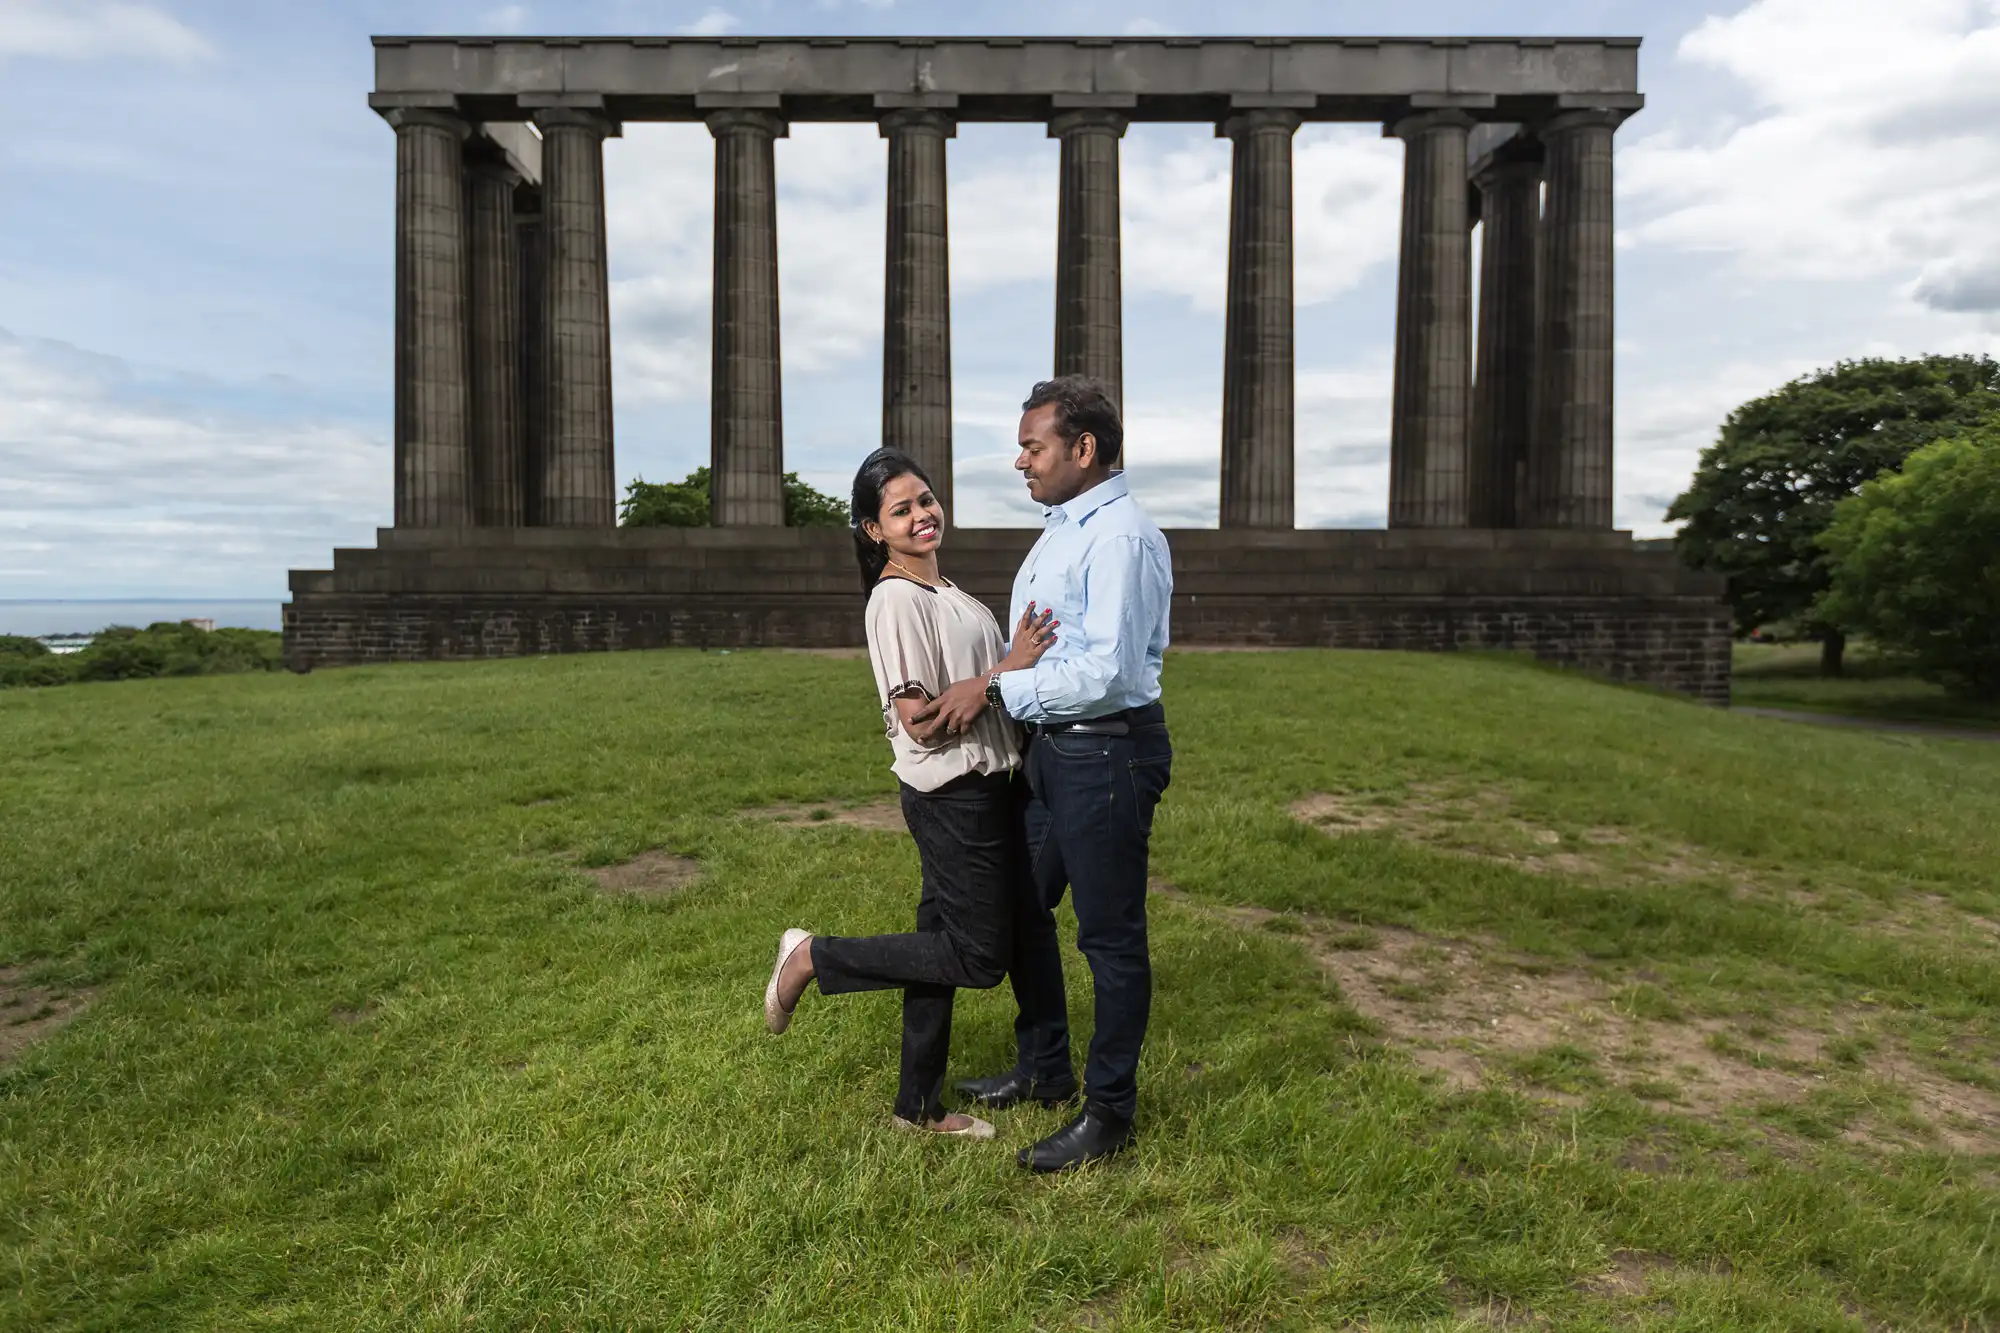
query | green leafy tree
(808,508)
(1915,562)
(1766,489)
(666,504)
(685,504)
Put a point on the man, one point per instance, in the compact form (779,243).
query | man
(1097,762)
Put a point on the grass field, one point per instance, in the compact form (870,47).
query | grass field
(427,997)
(1773,675)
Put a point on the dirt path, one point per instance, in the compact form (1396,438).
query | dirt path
(1872,724)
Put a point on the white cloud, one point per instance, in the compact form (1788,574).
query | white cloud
(1145,27)
(83,30)
(1872,154)
(123,485)
(1346,197)
(714,23)
(1003,217)
(660,195)
(1341,469)
(1846,213)
(507,18)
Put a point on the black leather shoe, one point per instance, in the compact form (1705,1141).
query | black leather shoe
(1011,1089)
(1091,1137)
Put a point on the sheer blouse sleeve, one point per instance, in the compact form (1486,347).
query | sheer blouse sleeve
(903,644)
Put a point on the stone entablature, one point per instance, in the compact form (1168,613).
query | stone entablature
(1016,78)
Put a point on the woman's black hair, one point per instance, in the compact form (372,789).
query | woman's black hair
(876,472)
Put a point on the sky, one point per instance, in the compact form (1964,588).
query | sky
(196,253)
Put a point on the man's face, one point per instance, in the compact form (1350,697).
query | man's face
(1056,472)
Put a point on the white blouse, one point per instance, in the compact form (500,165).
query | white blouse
(935,637)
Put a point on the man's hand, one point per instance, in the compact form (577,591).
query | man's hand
(951,713)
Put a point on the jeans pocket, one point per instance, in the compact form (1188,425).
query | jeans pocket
(1151,775)
(1079,745)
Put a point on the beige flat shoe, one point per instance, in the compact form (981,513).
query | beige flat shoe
(776,1016)
(978,1130)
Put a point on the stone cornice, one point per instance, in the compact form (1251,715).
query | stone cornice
(1017,78)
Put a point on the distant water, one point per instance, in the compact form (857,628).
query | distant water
(70,617)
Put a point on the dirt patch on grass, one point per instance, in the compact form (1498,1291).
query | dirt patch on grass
(1481,822)
(1488,1311)
(654,874)
(876,816)
(1478,1015)
(30,1013)
(1628,1275)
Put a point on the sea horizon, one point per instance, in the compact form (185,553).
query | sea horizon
(40,616)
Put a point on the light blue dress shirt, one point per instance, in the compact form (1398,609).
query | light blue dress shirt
(1103,567)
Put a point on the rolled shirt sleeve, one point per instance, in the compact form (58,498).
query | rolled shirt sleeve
(1127,587)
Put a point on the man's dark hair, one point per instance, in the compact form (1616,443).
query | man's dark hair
(1082,404)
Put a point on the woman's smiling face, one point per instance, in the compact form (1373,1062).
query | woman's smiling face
(911,522)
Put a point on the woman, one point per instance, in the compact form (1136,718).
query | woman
(958,791)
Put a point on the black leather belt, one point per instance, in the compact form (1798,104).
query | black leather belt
(1119,723)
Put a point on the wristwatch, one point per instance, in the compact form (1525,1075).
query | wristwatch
(993,696)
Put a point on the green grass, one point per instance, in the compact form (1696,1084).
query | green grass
(366,1049)
(1770,675)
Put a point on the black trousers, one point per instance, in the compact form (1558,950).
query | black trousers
(968,835)
(1088,821)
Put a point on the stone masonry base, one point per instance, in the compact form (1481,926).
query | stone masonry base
(1591,601)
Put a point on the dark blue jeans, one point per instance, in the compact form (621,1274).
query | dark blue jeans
(1088,822)
(968,835)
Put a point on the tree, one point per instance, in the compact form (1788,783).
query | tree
(685,504)
(1766,489)
(808,508)
(666,504)
(1915,562)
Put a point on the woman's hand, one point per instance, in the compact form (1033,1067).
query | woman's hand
(953,712)
(1033,636)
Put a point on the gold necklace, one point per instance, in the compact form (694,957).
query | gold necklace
(913,573)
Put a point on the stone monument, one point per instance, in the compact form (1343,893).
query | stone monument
(1499,508)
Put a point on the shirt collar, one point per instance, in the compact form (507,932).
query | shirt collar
(1081,507)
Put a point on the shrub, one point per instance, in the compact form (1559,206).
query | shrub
(1915,562)
(167,648)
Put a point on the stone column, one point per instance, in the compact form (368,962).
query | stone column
(1427,432)
(433,398)
(495,340)
(1257,330)
(746,425)
(1569,464)
(1090,327)
(579,482)
(532,271)
(1510,214)
(916,316)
